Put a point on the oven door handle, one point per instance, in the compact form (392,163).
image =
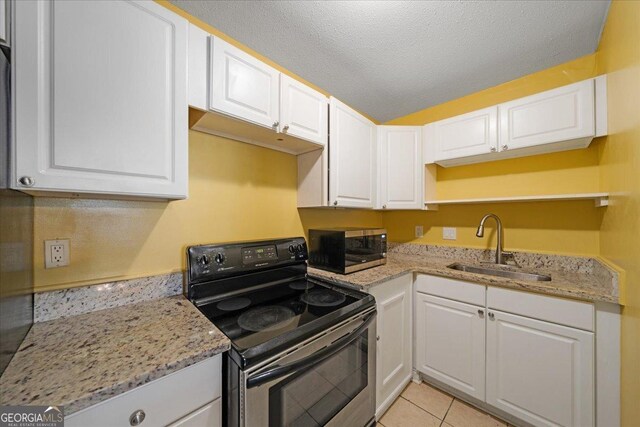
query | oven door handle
(336,346)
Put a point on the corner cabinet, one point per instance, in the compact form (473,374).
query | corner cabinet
(400,167)
(100,99)
(394,354)
(352,158)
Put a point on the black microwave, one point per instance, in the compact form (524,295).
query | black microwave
(345,250)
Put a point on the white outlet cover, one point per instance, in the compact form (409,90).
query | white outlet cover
(449,233)
(419,231)
(56,253)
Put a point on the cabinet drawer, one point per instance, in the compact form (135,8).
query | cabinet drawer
(209,415)
(551,309)
(457,290)
(164,400)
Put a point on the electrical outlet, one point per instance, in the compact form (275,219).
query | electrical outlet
(56,253)
(449,233)
(419,231)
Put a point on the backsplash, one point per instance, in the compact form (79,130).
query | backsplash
(71,302)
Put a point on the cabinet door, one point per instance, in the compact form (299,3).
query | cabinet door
(209,415)
(101,98)
(466,135)
(400,167)
(394,321)
(451,343)
(303,111)
(242,86)
(540,372)
(352,157)
(556,115)
(164,400)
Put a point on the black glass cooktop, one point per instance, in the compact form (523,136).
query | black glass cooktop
(254,318)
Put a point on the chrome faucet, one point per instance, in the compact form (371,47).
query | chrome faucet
(500,253)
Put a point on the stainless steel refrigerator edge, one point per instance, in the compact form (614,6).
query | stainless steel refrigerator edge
(16,226)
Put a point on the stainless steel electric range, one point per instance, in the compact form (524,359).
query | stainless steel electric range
(302,350)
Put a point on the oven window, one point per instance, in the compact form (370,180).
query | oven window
(313,397)
(363,249)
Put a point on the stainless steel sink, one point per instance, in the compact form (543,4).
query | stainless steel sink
(496,271)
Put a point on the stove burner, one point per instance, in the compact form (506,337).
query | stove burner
(233,304)
(323,298)
(269,318)
(298,286)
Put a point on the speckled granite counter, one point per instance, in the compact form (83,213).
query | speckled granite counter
(573,277)
(82,360)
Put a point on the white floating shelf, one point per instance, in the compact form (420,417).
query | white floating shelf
(600,199)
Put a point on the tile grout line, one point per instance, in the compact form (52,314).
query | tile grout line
(425,410)
(453,399)
(419,407)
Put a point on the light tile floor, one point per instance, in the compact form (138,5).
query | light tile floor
(423,405)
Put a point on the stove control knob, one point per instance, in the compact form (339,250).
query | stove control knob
(204,260)
(299,248)
(292,249)
(219,258)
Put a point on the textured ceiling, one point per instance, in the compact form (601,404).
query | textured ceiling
(391,58)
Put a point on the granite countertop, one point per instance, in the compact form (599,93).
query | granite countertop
(582,278)
(81,360)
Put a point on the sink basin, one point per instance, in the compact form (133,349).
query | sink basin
(496,271)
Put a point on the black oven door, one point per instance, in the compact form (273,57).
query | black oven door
(330,380)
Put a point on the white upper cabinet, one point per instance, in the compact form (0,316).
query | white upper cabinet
(400,167)
(303,111)
(250,101)
(466,135)
(562,114)
(540,372)
(100,99)
(564,118)
(243,86)
(352,158)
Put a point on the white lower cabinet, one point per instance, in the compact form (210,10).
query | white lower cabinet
(526,355)
(188,397)
(540,372)
(450,343)
(209,416)
(394,323)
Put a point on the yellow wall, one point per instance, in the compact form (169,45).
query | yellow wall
(549,227)
(237,191)
(619,56)
(554,227)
